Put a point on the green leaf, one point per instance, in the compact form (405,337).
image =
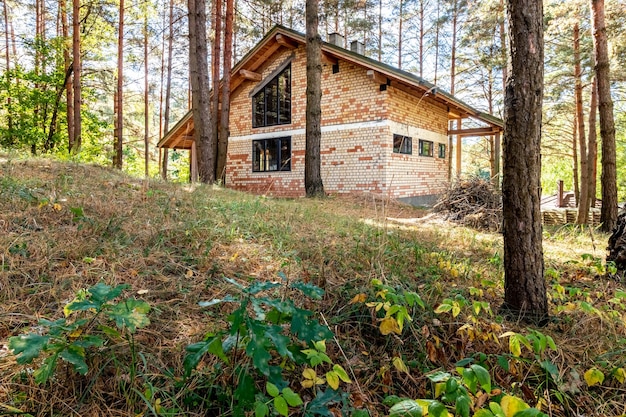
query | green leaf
(281,342)
(310,290)
(46,370)
(483,413)
(470,380)
(261,409)
(291,397)
(483,377)
(256,348)
(529,412)
(215,301)
(259,286)
(496,409)
(463,406)
(272,389)
(131,314)
(437,409)
(413,298)
(443,308)
(332,379)
(76,356)
(342,374)
(196,351)
(439,376)
(281,406)
(407,408)
(27,346)
(306,329)
(102,293)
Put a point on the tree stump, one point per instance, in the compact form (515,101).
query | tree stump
(617,246)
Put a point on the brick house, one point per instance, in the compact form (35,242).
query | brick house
(384,130)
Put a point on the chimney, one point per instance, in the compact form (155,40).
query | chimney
(336,39)
(358,47)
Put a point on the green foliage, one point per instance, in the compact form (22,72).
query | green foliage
(268,327)
(73,336)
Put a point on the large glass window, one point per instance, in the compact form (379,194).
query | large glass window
(272,104)
(271,154)
(402,144)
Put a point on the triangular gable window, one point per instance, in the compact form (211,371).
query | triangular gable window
(271,105)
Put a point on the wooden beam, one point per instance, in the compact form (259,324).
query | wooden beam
(286,42)
(329,59)
(254,65)
(459,144)
(479,131)
(376,76)
(250,75)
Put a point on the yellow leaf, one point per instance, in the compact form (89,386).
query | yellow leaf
(620,375)
(440,388)
(594,376)
(57,207)
(389,325)
(189,273)
(398,363)
(76,333)
(359,298)
(333,379)
(307,383)
(309,373)
(235,255)
(512,405)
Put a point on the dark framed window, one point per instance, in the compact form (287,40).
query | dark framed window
(272,104)
(402,144)
(271,154)
(442,150)
(426,147)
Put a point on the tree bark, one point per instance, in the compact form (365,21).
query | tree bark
(312,165)
(400,18)
(608,215)
(7,74)
(583,199)
(222,145)
(592,163)
(215,66)
(146,105)
(199,77)
(525,287)
(76,78)
(168,86)
(119,94)
(67,61)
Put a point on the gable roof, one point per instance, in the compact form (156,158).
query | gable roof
(180,136)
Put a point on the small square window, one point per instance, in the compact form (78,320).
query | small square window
(426,148)
(402,144)
(271,155)
(442,150)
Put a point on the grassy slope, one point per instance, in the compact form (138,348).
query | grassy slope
(174,244)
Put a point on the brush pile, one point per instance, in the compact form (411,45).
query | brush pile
(474,203)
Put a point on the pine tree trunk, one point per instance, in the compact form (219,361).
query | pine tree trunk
(575,159)
(608,215)
(400,18)
(222,145)
(146,105)
(168,86)
(69,91)
(312,164)
(76,79)
(199,78)
(583,200)
(119,94)
(525,286)
(215,66)
(7,73)
(592,163)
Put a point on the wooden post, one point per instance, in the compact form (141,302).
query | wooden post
(459,140)
(194,163)
(559,194)
(496,158)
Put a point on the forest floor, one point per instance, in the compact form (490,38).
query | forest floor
(222,303)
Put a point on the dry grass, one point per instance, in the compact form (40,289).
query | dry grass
(174,244)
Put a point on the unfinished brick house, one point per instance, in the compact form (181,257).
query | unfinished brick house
(384,130)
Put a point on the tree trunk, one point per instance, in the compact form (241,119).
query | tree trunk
(608,215)
(146,105)
(119,95)
(199,77)
(380,30)
(524,283)
(215,66)
(400,18)
(168,86)
(583,200)
(69,91)
(592,163)
(76,78)
(222,145)
(312,164)
(7,74)
(575,158)
(422,35)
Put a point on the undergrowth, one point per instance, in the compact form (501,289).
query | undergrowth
(121,296)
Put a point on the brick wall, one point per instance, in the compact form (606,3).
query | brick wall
(358,123)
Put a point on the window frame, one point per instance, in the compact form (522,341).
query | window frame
(430,149)
(266,166)
(268,95)
(406,144)
(442,151)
